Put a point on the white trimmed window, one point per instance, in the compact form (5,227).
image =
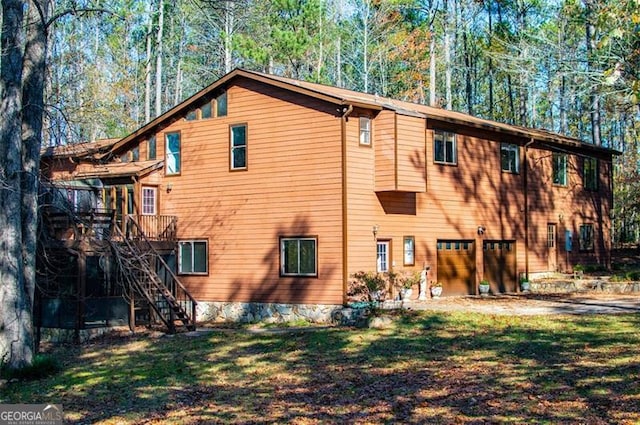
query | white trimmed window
(510,157)
(559,169)
(172,163)
(193,257)
(238,147)
(409,250)
(149,196)
(382,256)
(365,131)
(444,147)
(298,256)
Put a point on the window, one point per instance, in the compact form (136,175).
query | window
(409,250)
(206,110)
(444,147)
(559,169)
(149,200)
(590,173)
(172,163)
(221,105)
(192,257)
(151,148)
(191,115)
(238,147)
(510,157)
(135,154)
(365,131)
(551,235)
(382,256)
(298,256)
(586,237)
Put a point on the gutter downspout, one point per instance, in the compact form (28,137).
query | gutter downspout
(346,111)
(525,188)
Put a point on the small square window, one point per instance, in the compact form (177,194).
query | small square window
(510,157)
(193,257)
(365,131)
(444,147)
(298,256)
(559,169)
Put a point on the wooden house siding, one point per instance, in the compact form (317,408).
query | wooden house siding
(292,187)
(308,175)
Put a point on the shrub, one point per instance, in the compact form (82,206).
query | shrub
(364,285)
(42,366)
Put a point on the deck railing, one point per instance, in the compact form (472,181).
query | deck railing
(154,227)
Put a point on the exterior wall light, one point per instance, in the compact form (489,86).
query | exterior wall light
(375,229)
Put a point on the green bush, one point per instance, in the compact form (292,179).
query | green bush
(42,366)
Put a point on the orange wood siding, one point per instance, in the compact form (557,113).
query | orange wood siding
(292,187)
(410,161)
(384,143)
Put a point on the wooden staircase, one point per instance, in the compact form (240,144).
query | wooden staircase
(144,269)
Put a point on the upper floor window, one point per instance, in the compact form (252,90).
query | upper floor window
(586,237)
(238,147)
(559,168)
(172,162)
(135,154)
(298,256)
(206,110)
(192,257)
(365,131)
(510,157)
(221,105)
(590,173)
(151,148)
(444,147)
(149,200)
(192,115)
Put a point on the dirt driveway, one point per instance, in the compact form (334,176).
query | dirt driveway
(532,304)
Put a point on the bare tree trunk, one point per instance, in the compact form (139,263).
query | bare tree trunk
(447,57)
(33,73)
(147,74)
(432,65)
(16,327)
(228,33)
(594,96)
(159,58)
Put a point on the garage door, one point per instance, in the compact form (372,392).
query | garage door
(500,265)
(457,267)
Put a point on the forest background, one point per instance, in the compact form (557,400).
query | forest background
(568,66)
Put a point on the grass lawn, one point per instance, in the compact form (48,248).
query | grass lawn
(426,368)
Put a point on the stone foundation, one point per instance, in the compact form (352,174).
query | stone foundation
(266,312)
(584,285)
(58,336)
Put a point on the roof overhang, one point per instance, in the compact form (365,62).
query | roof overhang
(119,170)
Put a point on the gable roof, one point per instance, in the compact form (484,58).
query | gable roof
(78,150)
(345,97)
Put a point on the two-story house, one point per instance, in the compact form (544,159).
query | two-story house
(278,190)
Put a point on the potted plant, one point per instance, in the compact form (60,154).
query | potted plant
(405,281)
(370,285)
(484,287)
(436,289)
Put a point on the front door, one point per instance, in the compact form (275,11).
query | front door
(382,256)
(552,247)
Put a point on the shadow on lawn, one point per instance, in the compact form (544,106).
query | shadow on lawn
(429,368)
